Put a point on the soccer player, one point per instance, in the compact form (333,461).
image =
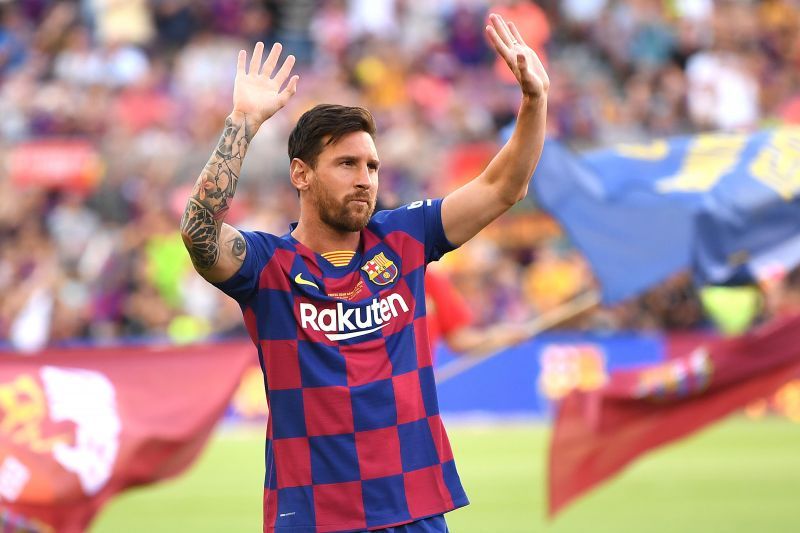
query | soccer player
(336,307)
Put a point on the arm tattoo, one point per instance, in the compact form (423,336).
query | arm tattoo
(199,231)
(208,204)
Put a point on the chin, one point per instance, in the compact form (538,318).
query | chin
(360,217)
(348,219)
(357,224)
(347,222)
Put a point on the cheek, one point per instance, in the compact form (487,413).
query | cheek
(330,182)
(338,179)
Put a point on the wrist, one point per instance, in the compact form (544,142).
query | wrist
(252,123)
(534,101)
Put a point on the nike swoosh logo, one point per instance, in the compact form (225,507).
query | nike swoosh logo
(300,281)
(343,336)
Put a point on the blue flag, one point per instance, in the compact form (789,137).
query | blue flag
(725,205)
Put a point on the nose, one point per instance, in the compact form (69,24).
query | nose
(363,178)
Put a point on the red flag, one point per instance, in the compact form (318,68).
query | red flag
(79,425)
(597,433)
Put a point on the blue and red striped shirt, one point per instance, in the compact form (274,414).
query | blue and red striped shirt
(354,438)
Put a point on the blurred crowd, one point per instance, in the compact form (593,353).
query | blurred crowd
(110,109)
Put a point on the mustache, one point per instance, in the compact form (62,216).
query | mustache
(365,197)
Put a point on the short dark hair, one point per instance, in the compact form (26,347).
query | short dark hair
(326,120)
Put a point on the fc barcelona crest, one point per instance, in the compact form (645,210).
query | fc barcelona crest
(380,269)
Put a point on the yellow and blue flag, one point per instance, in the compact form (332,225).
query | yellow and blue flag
(725,205)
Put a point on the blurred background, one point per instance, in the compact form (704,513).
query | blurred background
(110,109)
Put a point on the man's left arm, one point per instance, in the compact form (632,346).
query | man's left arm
(504,182)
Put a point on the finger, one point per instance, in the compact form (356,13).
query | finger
(498,43)
(255,61)
(272,59)
(515,33)
(285,70)
(501,28)
(241,61)
(501,48)
(291,87)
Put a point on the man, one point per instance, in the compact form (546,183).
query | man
(336,307)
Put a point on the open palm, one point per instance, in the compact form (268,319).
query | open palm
(256,92)
(519,57)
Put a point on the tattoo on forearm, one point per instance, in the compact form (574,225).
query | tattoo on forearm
(209,202)
(199,231)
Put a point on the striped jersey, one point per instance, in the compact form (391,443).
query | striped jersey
(354,438)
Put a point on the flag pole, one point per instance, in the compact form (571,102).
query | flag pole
(567,311)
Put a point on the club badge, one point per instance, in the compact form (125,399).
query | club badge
(380,269)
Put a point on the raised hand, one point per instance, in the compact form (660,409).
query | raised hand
(256,91)
(519,57)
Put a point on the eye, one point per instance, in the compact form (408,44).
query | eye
(373,166)
(348,162)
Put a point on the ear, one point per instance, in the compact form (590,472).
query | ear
(299,174)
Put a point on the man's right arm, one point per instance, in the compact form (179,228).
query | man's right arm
(217,249)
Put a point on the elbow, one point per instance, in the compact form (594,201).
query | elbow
(513,197)
(522,194)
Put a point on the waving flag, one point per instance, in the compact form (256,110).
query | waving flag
(598,433)
(79,425)
(727,206)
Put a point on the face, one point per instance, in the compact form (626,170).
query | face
(344,184)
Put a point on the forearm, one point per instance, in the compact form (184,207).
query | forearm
(511,169)
(210,199)
(503,183)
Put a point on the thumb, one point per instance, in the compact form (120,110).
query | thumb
(290,89)
(293,84)
(522,64)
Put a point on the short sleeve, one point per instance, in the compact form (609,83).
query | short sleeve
(244,284)
(423,221)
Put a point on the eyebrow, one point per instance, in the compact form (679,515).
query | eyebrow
(355,157)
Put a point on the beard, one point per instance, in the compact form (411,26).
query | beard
(346,215)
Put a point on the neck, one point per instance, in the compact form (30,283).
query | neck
(321,238)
